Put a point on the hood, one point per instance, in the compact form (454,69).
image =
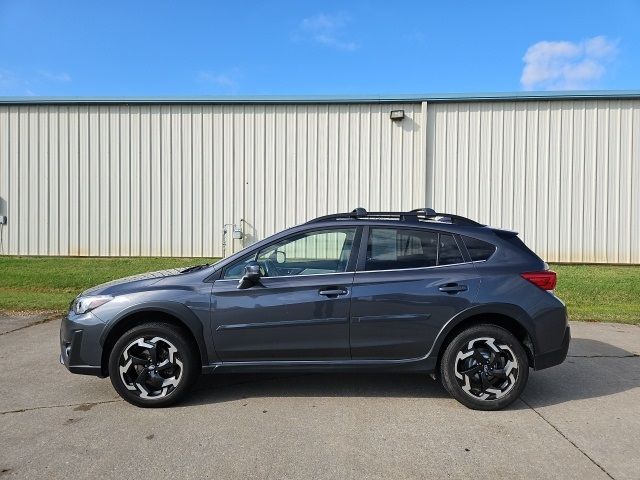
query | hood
(132,283)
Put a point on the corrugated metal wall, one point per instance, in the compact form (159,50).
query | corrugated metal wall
(565,174)
(162,180)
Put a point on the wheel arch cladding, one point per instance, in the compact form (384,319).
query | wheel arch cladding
(170,314)
(506,317)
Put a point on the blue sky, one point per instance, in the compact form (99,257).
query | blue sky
(141,48)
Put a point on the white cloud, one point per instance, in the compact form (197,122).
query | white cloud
(328,30)
(567,65)
(21,83)
(227,81)
(415,37)
(13,84)
(7,78)
(54,77)
(217,78)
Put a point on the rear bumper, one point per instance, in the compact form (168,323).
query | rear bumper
(554,357)
(80,351)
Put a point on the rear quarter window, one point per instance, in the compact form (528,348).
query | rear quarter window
(478,249)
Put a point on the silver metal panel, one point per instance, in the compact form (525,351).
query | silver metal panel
(565,174)
(162,180)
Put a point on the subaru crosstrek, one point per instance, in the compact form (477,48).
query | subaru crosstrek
(414,291)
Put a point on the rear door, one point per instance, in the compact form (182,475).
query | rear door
(408,284)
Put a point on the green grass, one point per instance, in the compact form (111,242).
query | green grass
(50,283)
(592,292)
(600,293)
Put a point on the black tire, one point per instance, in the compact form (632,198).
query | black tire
(480,376)
(170,369)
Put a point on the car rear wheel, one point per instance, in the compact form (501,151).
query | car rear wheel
(484,367)
(153,365)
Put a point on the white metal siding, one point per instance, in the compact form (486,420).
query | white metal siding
(565,174)
(161,180)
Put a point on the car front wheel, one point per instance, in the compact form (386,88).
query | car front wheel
(484,367)
(153,365)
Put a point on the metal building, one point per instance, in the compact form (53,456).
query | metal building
(164,177)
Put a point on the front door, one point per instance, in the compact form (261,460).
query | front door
(300,308)
(409,283)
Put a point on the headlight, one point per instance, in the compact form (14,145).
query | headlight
(86,304)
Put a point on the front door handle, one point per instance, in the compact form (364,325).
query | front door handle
(333,292)
(452,288)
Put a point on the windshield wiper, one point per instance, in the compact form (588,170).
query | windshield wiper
(195,268)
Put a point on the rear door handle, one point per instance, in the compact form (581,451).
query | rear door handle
(333,292)
(452,288)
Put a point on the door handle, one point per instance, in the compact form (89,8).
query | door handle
(452,288)
(333,292)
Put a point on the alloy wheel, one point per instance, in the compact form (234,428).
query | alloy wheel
(151,366)
(485,369)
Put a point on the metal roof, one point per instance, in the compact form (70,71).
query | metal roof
(325,99)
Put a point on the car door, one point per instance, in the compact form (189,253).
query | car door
(299,309)
(408,284)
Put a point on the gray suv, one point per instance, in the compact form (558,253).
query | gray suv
(414,291)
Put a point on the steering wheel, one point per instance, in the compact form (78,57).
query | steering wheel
(271,268)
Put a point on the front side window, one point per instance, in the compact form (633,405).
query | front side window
(236,269)
(398,249)
(309,253)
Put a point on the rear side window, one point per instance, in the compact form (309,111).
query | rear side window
(398,249)
(392,249)
(448,251)
(478,250)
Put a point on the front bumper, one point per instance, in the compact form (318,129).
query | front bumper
(80,349)
(554,357)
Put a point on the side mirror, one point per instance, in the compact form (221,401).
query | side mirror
(251,275)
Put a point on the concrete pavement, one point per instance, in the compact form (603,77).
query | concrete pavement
(578,420)
(10,323)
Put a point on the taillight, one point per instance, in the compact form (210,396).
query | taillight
(545,280)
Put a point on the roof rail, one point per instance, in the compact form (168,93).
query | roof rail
(415,215)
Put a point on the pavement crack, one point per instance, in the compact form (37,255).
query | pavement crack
(45,407)
(567,438)
(39,322)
